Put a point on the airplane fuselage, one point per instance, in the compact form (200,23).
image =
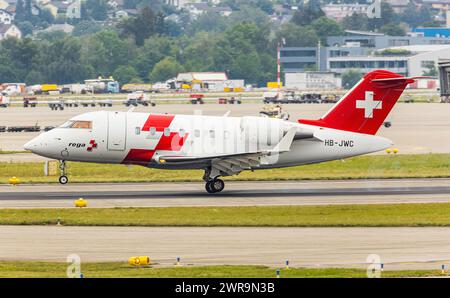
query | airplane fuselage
(148,139)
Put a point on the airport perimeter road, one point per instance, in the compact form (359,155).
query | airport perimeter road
(399,248)
(416,128)
(243,193)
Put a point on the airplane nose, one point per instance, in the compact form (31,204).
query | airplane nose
(31,145)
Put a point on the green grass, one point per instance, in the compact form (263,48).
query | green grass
(395,215)
(48,269)
(13,151)
(373,166)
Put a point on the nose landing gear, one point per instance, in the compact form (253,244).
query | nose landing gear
(62,167)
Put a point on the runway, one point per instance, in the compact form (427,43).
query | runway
(243,193)
(398,248)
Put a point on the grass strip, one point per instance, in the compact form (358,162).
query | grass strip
(387,215)
(373,166)
(29,269)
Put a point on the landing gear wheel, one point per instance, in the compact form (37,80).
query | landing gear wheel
(63,179)
(208,187)
(62,167)
(216,185)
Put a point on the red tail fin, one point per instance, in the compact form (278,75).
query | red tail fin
(365,107)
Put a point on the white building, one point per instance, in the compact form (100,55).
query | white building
(414,62)
(340,11)
(181,3)
(312,80)
(216,81)
(6,17)
(9,31)
(73,11)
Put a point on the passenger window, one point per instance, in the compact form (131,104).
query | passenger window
(182,132)
(226,134)
(152,131)
(212,134)
(167,132)
(137,130)
(197,133)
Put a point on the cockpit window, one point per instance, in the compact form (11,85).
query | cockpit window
(77,124)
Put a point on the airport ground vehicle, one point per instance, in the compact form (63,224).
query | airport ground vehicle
(30,101)
(225,146)
(102,86)
(127,88)
(138,98)
(45,89)
(11,89)
(4,101)
(274,111)
(197,98)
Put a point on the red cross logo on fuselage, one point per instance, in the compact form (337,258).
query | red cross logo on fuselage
(92,144)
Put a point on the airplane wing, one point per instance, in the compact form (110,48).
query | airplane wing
(231,164)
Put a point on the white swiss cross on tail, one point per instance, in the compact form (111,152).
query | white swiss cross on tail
(368,104)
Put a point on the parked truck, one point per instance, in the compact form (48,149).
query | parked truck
(102,86)
(129,88)
(11,89)
(44,89)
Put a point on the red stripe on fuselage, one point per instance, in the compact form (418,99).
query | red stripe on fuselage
(173,142)
(139,157)
(158,121)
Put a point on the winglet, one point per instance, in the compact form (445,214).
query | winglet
(286,142)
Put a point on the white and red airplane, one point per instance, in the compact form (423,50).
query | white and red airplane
(222,145)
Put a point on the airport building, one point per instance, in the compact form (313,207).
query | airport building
(312,80)
(415,60)
(353,44)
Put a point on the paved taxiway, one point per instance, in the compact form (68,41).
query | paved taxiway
(399,248)
(243,193)
(416,128)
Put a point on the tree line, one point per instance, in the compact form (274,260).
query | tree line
(150,48)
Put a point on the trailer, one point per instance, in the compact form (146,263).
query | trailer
(138,98)
(444,79)
(33,128)
(56,105)
(30,101)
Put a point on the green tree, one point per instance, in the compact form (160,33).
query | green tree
(34,77)
(86,28)
(431,69)
(141,27)
(325,27)
(124,74)
(296,36)
(265,5)
(26,28)
(208,22)
(356,22)
(249,14)
(307,13)
(393,30)
(350,78)
(97,9)
(165,69)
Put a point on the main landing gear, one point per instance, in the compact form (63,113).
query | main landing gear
(62,168)
(214,185)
